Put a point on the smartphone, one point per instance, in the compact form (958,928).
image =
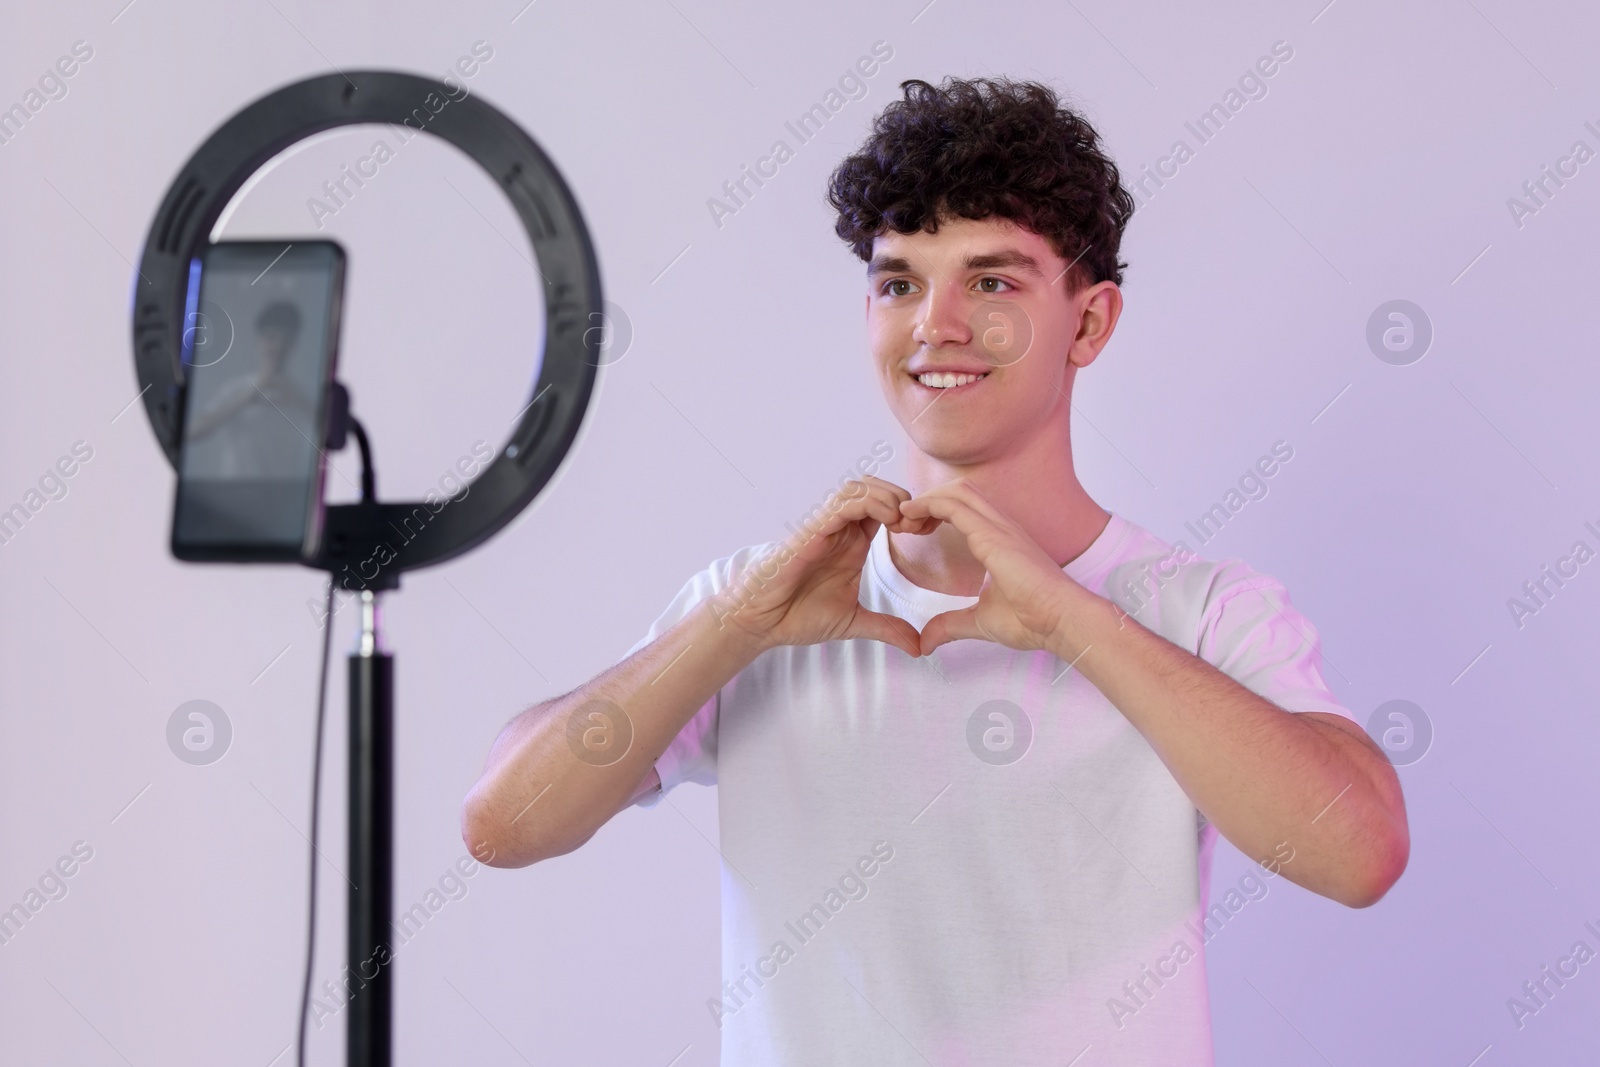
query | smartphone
(260,342)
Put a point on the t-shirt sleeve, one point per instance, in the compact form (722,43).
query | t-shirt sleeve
(691,756)
(1251,632)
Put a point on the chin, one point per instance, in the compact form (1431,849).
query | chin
(953,447)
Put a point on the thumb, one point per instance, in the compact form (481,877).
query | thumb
(950,626)
(889,629)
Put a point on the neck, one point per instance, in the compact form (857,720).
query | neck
(1034,484)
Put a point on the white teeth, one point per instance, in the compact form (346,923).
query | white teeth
(947,380)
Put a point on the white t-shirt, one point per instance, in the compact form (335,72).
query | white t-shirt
(971,857)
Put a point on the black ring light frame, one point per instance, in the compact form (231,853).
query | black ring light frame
(352,533)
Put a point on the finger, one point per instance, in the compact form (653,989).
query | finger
(897,495)
(925,525)
(963,490)
(948,508)
(889,629)
(950,626)
(896,491)
(919,523)
(892,496)
(845,507)
(885,495)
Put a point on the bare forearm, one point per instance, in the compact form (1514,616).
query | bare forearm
(1263,776)
(550,781)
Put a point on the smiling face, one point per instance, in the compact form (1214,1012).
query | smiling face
(976,338)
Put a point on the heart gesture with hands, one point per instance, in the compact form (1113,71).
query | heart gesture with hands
(806,591)
(1025,595)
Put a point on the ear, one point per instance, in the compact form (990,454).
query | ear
(1099,307)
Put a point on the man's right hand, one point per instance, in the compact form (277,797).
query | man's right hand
(807,590)
(538,798)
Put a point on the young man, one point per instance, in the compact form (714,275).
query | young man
(973,741)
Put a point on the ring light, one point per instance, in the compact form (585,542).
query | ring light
(353,533)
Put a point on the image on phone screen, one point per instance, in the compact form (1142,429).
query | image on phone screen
(260,340)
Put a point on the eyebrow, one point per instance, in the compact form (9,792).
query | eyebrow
(888,265)
(1009,257)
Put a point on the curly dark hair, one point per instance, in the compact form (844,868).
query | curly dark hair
(983,147)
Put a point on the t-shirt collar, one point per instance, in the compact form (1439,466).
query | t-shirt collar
(1088,569)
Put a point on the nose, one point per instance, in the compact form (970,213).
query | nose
(944,320)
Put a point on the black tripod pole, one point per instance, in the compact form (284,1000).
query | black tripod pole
(367,1039)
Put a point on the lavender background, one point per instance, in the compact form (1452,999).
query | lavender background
(1419,499)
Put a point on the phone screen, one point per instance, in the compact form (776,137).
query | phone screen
(259,344)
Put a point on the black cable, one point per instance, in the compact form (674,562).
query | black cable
(369,478)
(316,800)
